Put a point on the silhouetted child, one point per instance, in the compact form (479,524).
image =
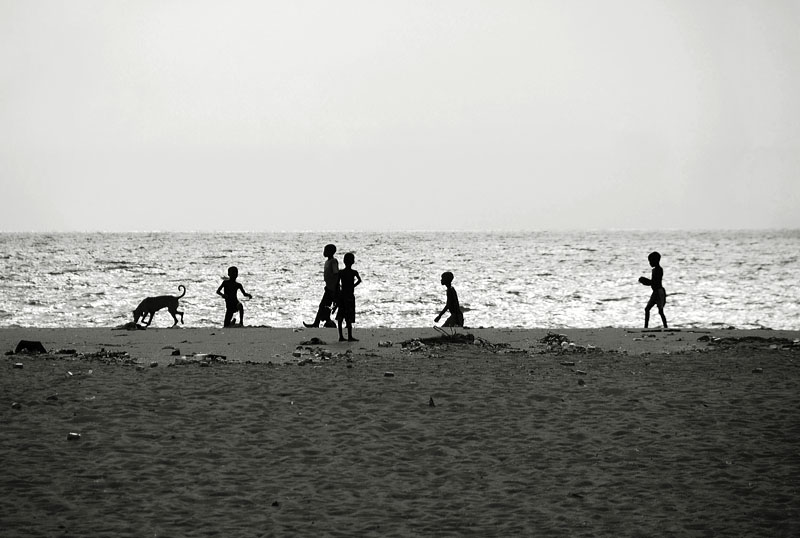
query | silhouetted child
(659,295)
(456,318)
(349,279)
(328,302)
(228,290)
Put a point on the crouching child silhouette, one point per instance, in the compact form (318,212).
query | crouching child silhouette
(659,296)
(349,279)
(228,290)
(456,318)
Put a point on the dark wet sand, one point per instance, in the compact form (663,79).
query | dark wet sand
(650,434)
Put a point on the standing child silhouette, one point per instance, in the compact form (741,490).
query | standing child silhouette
(349,278)
(659,295)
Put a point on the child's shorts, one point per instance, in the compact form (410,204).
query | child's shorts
(456,320)
(347,309)
(658,298)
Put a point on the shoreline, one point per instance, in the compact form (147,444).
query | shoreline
(256,344)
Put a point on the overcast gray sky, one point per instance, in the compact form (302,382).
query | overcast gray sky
(399,115)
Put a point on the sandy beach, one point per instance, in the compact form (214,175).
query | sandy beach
(268,432)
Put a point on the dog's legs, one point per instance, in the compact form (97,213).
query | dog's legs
(174,317)
(181,315)
(149,320)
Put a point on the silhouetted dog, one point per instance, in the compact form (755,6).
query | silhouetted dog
(151,305)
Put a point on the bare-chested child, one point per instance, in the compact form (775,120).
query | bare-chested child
(456,318)
(329,296)
(349,279)
(659,295)
(228,290)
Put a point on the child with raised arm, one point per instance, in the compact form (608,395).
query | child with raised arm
(659,295)
(349,279)
(456,318)
(228,290)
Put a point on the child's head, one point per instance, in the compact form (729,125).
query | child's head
(329,251)
(233,272)
(447,278)
(654,258)
(349,259)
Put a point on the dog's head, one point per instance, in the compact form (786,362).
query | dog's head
(136,315)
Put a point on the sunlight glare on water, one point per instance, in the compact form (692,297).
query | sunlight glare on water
(545,279)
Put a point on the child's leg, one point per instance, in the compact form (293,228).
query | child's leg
(228,317)
(241,314)
(341,336)
(647,315)
(663,317)
(350,332)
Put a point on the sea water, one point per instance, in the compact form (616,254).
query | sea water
(743,279)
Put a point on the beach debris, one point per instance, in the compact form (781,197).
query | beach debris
(388,374)
(153,364)
(52,397)
(385,343)
(66,352)
(758,370)
(202,359)
(753,342)
(73,436)
(567,363)
(581,383)
(130,326)
(580,372)
(30,346)
(276,504)
(413,345)
(552,339)
(18,365)
(176,352)
(16,405)
(314,342)
(430,402)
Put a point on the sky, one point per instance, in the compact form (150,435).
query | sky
(399,115)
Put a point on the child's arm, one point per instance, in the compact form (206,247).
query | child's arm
(244,292)
(445,309)
(219,290)
(645,281)
(358,279)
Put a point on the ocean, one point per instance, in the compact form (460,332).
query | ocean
(742,279)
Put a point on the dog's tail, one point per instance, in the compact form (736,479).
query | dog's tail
(181,286)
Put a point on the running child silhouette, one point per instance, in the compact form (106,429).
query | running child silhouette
(349,279)
(659,296)
(228,290)
(456,318)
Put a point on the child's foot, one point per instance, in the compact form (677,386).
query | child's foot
(342,339)
(351,339)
